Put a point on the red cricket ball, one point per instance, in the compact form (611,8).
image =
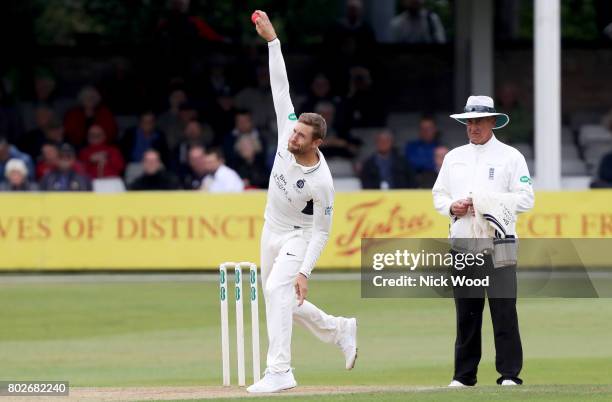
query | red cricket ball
(254,16)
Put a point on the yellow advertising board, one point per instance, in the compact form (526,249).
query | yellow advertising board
(189,230)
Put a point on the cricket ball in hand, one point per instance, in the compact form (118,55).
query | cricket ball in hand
(254,16)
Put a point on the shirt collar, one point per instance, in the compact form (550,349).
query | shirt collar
(307,169)
(487,145)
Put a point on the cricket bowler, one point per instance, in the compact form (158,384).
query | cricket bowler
(298,219)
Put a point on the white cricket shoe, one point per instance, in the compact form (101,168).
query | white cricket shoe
(456,384)
(508,383)
(348,342)
(274,382)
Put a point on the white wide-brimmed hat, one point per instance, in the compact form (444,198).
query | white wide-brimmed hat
(478,107)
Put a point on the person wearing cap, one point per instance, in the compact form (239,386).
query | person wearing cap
(484,166)
(65,176)
(16,173)
(8,152)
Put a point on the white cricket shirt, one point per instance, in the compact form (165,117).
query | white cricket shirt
(299,197)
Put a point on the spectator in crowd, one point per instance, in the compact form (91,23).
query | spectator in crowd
(90,111)
(420,152)
(145,136)
(258,100)
(195,133)
(155,176)
(99,158)
(44,94)
(8,152)
(604,174)
(386,168)
(10,121)
(427,178)
(351,33)
(220,178)
(222,115)
(244,127)
(16,173)
(250,165)
(320,91)
(32,140)
(55,133)
(48,160)
(170,121)
(217,77)
(337,142)
(364,107)
(416,24)
(521,129)
(192,179)
(65,176)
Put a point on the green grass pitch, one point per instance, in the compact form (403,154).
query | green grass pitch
(167,334)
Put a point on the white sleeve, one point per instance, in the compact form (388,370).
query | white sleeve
(323,208)
(441,191)
(521,184)
(279,82)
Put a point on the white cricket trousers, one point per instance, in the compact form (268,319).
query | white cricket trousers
(281,258)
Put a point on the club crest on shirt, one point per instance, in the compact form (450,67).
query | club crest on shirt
(299,185)
(329,210)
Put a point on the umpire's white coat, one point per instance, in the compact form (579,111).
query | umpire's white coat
(490,167)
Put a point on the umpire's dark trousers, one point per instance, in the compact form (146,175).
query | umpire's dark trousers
(469,305)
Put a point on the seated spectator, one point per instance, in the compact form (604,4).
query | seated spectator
(192,178)
(32,140)
(320,91)
(250,165)
(420,153)
(222,115)
(154,176)
(220,178)
(54,133)
(195,133)
(48,160)
(351,33)
(99,158)
(65,177)
(44,93)
(427,178)
(337,142)
(89,112)
(7,152)
(604,174)
(258,100)
(521,129)
(143,137)
(416,24)
(170,121)
(16,173)
(244,127)
(363,106)
(386,168)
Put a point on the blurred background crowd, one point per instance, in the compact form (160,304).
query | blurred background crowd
(167,95)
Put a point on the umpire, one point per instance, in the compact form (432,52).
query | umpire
(484,166)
